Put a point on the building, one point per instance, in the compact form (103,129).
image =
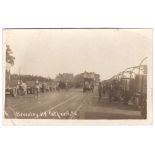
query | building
(79,78)
(65,77)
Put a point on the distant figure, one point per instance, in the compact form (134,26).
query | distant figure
(92,87)
(103,89)
(37,86)
(100,91)
(54,87)
(24,88)
(110,92)
(18,87)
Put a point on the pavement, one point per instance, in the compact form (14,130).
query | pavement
(67,104)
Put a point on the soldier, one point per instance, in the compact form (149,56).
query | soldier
(100,91)
(24,88)
(37,87)
(103,89)
(110,93)
(18,87)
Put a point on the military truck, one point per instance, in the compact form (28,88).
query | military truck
(88,81)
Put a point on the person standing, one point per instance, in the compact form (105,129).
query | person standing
(37,87)
(110,93)
(100,91)
(103,89)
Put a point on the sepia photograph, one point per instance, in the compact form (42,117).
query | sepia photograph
(86,74)
(77,77)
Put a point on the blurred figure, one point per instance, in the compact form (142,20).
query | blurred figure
(18,87)
(37,87)
(110,92)
(103,89)
(100,91)
(24,88)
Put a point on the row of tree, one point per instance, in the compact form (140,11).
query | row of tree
(30,78)
(68,78)
(10,60)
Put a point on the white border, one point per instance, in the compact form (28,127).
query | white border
(77,140)
(83,122)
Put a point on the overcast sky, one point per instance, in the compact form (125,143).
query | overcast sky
(47,52)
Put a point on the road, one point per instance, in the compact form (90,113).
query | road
(67,104)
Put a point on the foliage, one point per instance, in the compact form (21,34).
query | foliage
(30,78)
(9,58)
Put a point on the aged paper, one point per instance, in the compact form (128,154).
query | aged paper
(77,76)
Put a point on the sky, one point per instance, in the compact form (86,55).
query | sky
(48,52)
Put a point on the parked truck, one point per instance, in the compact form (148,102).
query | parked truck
(88,82)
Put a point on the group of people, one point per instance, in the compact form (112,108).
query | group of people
(23,88)
(112,90)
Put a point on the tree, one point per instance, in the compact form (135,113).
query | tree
(9,58)
(9,62)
